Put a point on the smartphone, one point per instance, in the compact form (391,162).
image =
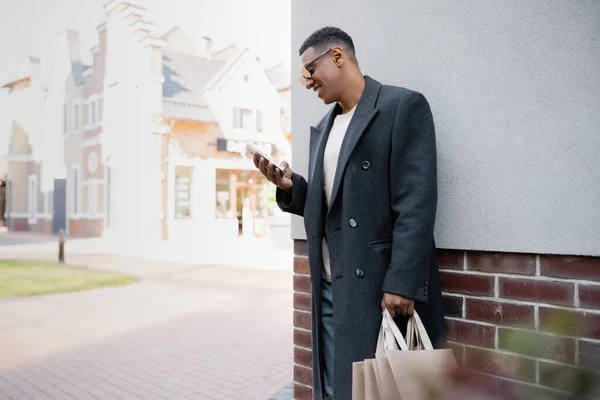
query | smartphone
(253,150)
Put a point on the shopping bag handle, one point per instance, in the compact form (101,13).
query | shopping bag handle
(391,332)
(415,326)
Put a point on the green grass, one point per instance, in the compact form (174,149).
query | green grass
(31,277)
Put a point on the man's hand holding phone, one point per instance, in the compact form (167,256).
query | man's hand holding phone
(280,175)
(273,174)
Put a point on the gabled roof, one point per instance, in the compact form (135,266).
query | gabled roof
(186,76)
(77,69)
(226,68)
(225,54)
(176,41)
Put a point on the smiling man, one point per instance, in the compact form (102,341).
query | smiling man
(369,205)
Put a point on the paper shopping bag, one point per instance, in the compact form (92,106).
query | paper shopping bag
(420,372)
(372,379)
(371,388)
(358,381)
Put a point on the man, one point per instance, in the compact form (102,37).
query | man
(369,207)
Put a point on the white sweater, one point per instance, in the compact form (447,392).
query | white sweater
(330,160)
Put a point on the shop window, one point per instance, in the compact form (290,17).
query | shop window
(242,118)
(235,187)
(223,197)
(183,192)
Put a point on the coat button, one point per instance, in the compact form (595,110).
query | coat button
(365,165)
(352,223)
(360,273)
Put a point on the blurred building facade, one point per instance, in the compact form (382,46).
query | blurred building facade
(148,140)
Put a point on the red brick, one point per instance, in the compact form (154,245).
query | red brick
(565,377)
(508,263)
(301,265)
(17,224)
(506,365)
(518,390)
(302,338)
(471,333)
(458,350)
(303,357)
(302,301)
(451,259)
(302,319)
(589,296)
(303,375)
(535,290)
(571,267)
(570,322)
(453,306)
(302,283)
(302,392)
(501,313)
(477,384)
(466,283)
(535,344)
(589,354)
(300,248)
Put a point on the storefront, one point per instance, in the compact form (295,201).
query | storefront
(223,197)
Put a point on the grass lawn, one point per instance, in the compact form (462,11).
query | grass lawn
(29,277)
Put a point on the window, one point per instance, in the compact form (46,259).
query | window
(183,192)
(93,105)
(76,190)
(99,111)
(259,120)
(242,118)
(76,117)
(49,203)
(223,189)
(86,115)
(65,118)
(92,198)
(32,198)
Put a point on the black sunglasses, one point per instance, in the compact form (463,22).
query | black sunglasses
(306,74)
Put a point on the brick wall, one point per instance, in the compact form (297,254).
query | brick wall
(524,322)
(302,324)
(86,227)
(17,224)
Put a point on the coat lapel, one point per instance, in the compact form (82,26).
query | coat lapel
(315,195)
(364,113)
(318,141)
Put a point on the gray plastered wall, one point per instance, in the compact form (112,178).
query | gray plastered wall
(515,92)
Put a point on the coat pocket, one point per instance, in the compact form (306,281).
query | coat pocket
(381,243)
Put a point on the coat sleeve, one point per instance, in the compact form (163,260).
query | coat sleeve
(293,202)
(413,188)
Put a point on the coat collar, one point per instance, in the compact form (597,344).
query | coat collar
(364,113)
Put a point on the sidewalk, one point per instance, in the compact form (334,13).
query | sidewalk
(183,332)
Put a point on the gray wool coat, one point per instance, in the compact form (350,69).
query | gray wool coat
(379,227)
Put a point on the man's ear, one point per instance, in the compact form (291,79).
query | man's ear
(338,56)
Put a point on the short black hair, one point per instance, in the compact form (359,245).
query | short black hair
(327,37)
